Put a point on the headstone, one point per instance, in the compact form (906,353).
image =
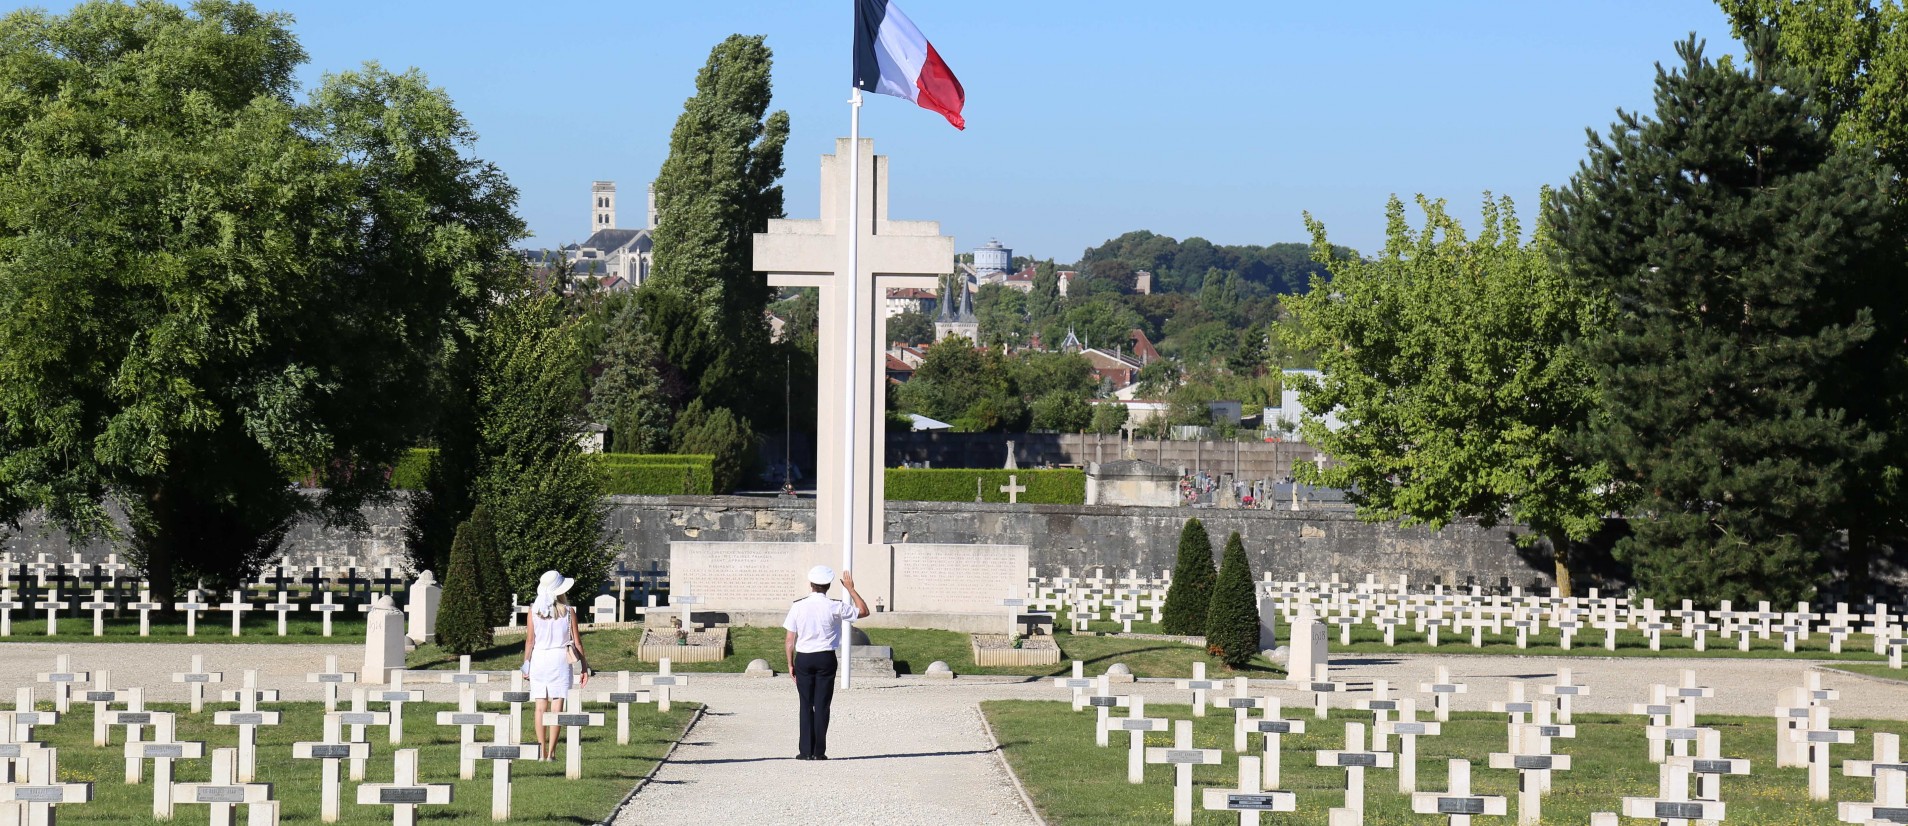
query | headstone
(1136,724)
(622,697)
(405,792)
(1672,804)
(37,798)
(573,722)
(396,696)
(500,752)
(1268,625)
(1442,689)
(1354,759)
(331,750)
(1457,803)
(1182,757)
(516,696)
(196,680)
(224,793)
(1308,659)
(420,608)
(1250,797)
(1408,728)
(331,678)
(357,719)
(383,641)
(63,678)
(236,605)
(1273,727)
(247,718)
(467,718)
(661,683)
(1198,685)
(162,750)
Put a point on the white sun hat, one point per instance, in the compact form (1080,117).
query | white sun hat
(821,575)
(552,585)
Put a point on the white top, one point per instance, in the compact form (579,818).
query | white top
(816,621)
(553,632)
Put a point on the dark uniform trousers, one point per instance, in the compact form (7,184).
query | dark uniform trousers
(815,685)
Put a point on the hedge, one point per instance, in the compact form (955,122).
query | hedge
(658,480)
(1044,487)
(623,473)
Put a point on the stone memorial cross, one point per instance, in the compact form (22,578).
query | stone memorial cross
(405,792)
(1182,757)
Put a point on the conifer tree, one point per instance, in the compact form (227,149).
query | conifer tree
(1190,595)
(463,626)
(628,394)
(493,579)
(1738,242)
(1232,621)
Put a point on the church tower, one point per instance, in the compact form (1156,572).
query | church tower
(602,206)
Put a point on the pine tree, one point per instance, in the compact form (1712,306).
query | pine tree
(1738,242)
(715,190)
(628,394)
(1232,621)
(463,626)
(1190,596)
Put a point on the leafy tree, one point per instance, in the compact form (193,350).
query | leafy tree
(628,394)
(715,190)
(719,432)
(1740,244)
(1037,375)
(1043,301)
(1232,619)
(463,623)
(972,389)
(1189,598)
(542,493)
(208,289)
(1108,418)
(1062,412)
(911,328)
(1002,313)
(1452,359)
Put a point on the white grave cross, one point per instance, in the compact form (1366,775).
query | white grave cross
(1182,757)
(405,792)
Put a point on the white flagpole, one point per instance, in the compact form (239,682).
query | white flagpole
(853,353)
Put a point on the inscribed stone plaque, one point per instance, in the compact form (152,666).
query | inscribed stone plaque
(1460,805)
(39,794)
(502,752)
(1130,724)
(1185,756)
(1407,728)
(468,720)
(220,794)
(245,719)
(1712,766)
(359,718)
(330,750)
(1445,688)
(407,794)
(1255,802)
(102,696)
(1324,687)
(743,575)
(1889,814)
(1530,762)
(1562,690)
(196,678)
(1107,702)
(625,697)
(1656,711)
(1519,708)
(62,678)
(1241,702)
(1382,705)
(1550,731)
(1666,810)
(1274,727)
(956,578)
(10,750)
(1358,759)
(132,718)
(660,681)
(331,678)
(1202,685)
(573,719)
(393,697)
(464,678)
(513,696)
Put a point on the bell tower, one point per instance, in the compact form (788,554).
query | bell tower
(602,206)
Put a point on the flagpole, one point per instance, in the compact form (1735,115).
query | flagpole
(849,409)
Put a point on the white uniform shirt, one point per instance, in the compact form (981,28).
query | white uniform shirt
(816,621)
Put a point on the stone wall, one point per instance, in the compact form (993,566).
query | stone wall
(1317,542)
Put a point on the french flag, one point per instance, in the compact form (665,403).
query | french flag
(892,58)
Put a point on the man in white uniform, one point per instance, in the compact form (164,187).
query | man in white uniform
(814,633)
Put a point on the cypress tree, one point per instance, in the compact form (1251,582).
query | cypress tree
(463,626)
(1232,621)
(1738,241)
(1191,592)
(493,588)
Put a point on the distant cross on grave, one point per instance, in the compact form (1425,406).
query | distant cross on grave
(63,678)
(225,792)
(332,749)
(405,792)
(500,751)
(1013,489)
(196,680)
(162,750)
(1457,803)
(812,253)
(1250,797)
(1182,757)
(331,678)
(145,606)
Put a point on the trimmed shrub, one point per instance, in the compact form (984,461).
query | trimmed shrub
(655,458)
(1190,596)
(463,626)
(1044,487)
(1232,620)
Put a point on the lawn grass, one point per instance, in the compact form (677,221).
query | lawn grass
(540,793)
(1369,640)
(1072,781)
(1873,670)
(914,648)
(347,628)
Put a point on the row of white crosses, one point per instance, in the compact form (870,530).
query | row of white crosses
(1085,599)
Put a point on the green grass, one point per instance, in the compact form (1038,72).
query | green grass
(347,628)
(1873,670)
(541,794)
(914,649)
(1072,781)
(1589,643)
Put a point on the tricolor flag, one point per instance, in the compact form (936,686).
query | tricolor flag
(892,58)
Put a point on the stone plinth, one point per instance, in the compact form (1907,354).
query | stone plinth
(1132,482)
(383,641)
(997,650)
(1308,660)
(420,606)
(705,646)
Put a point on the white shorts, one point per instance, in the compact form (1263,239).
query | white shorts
(550,674)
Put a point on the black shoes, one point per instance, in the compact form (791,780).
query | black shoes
(803,757)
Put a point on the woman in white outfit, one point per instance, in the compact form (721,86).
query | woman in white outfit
(547,650)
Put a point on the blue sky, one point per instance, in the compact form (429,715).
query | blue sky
(1086,118)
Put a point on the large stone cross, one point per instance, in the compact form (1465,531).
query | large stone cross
(801,253)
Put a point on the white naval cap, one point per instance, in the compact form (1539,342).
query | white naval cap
(821,575)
